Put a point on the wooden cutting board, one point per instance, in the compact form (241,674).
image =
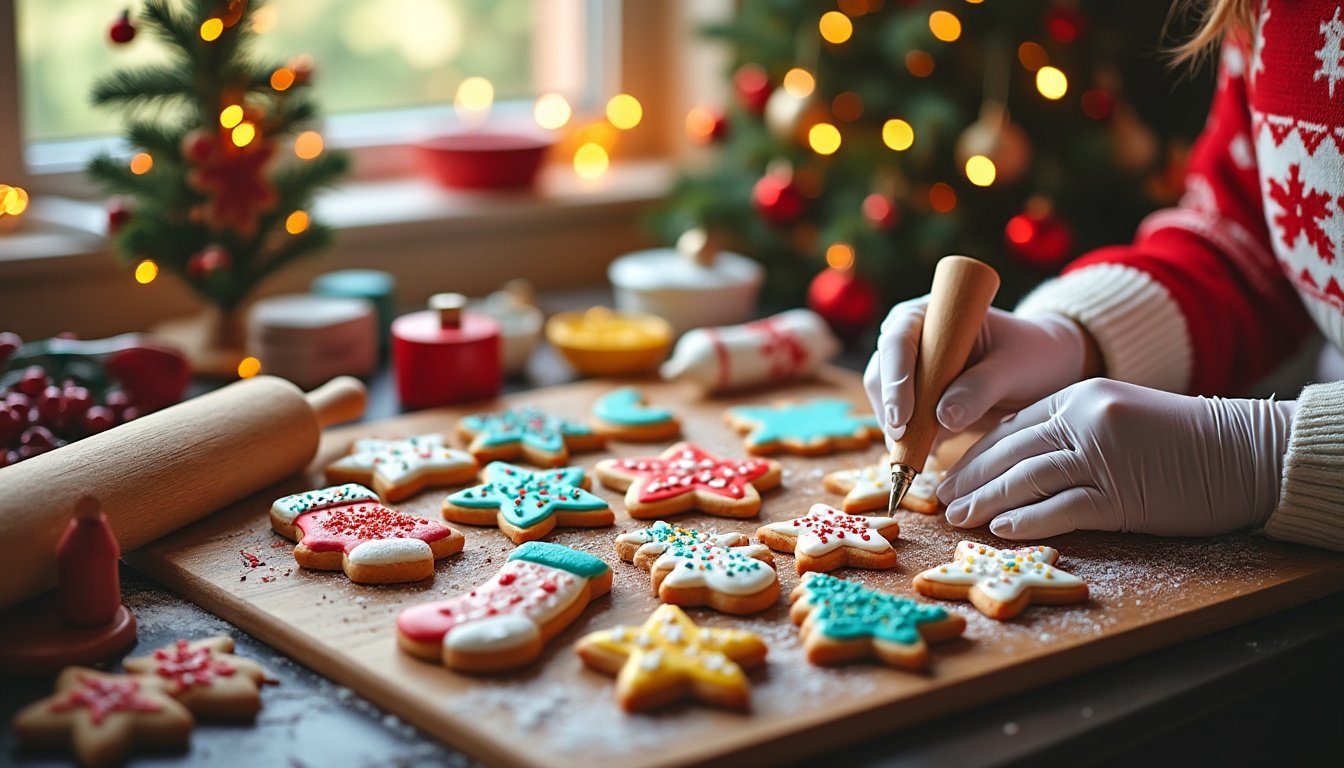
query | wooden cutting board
(1146,593)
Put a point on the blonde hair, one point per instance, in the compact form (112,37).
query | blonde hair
(1217,19)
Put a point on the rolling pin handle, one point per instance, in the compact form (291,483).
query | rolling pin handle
(339,400)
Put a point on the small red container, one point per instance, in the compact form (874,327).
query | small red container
(481,159)
(444,355)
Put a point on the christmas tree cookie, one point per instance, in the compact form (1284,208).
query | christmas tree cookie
(810,427)
(843,620)
(868,488)
(399,469)
(206,677)
(528,505)
(687,477)
(825,539)
(692,568)
(622,414)
(526,433)
(1002,582)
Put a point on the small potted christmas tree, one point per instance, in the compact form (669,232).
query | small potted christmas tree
(224,169)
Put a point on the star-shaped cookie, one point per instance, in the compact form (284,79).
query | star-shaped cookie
(399,469)
(1002,582)
(527,505)
(809,428)
(826,538)
(670,658)
(844,620)
(868,488)
(206,677)
(688,477)
(691,568)
(526,433)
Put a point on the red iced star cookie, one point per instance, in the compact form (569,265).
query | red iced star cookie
(206,677)
(688,477)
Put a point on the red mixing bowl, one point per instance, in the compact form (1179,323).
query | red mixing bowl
(484,159)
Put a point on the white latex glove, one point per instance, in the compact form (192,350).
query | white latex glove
(1015,362)
(1110,456)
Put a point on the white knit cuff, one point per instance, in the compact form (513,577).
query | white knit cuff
(1138,326)
(1311,503)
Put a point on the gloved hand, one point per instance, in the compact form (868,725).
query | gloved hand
(1110,456)
(1015,362)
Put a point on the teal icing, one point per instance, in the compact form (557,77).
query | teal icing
(625,406)
(526,425)
(559,556)
(526,497)
(810,420)
(848,610)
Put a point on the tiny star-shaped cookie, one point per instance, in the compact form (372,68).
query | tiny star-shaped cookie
(527,505)
(687,477)
(670,658)
(399,469)
(104,717)
(826,538)
(206,677)
(868,488)
(691,568)
(526,433)
(809,428)
(1002,582)
(843,620)
(346,528)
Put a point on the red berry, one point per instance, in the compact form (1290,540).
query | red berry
(122,30)
(40,437)
(75,401)
(118,213)
(20,403)
(13,457)
(11,424)
(117,400)
(29,451)
(99,418)
(49,403)
(130,413)
(9,344)
(34,380)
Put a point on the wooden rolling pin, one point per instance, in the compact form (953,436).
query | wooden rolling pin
(164,470)
(962,291)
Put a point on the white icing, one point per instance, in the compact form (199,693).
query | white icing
(390,552)
(729,570)
(492,634)
(871,484)
(396,462)
(290,507)
(823,530)
(784,346)
(1002,574)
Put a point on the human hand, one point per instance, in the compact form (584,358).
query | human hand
(1015,361)
(1110,456)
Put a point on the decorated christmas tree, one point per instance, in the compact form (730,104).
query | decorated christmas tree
(208,194)
(876,137)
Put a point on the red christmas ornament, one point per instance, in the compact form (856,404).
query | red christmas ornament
(753,87)
(119,212)
(210,259)
(880,211)
(777,198)
(846,301)
(122,31)
(234,182)
(1040,239)
(1064,25)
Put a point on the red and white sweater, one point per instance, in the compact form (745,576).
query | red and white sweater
(1215,293)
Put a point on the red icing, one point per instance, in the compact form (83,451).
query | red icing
(345,526)
(104,695)
(520,587)
(190,666)
(688,468)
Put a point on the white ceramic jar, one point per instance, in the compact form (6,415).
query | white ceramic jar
(687,289)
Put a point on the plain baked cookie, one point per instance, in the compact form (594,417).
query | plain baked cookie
(1002,582)
(808,428)
(528,505)
(688,477)
(693,568)
(826,538)
(622,414)
(868,488)
(399,469)
(207,678)
(526,433)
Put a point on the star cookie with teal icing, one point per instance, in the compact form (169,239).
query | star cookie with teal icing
(526,433)
(843,620)
(623,414)
(809,427)
(526,504)
(399,469)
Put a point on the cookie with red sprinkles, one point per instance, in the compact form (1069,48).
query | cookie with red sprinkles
(206,677)
(826,538)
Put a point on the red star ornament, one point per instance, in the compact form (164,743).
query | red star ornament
(234,182)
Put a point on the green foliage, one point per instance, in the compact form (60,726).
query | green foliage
(1076,160)
(174,104)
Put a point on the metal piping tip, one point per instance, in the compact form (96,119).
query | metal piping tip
(902,475)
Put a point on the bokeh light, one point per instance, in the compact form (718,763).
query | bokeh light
(942,198)
(211,29)
(847,106)
(248,367)
(231,115)
(897,134)
(475,94)
(840,256)
(799,83)
(282,79)
(945,26)
(146,271)
(308,145)
(1051,83)
(835,27)
(590,161)
(980,170)
(919,63)
(824,138)
(297,222)
(551,111)
(243,134)
(141,163)
(624,111)
(1032,55)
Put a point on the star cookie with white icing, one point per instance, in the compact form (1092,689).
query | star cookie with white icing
(868,488)
(693,568)
(826,538)
(399,469)
(671,658)
(1001,583)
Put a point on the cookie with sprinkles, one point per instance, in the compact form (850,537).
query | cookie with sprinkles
(695,568)
(505,622)
(826,538)
(528,434)
(527,505)
(671,658)
(687,477)
(399,469)
(104,718)
(207,678)
(809,427)
(868,488)
(623,414)
(346,528)
(1001,583)
(842,621)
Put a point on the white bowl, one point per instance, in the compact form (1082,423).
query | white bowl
(664,282)
(519,328)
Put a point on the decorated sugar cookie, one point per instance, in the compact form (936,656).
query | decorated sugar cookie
(1002,582)
(399,469)
(867,488)
(688,477)
(526,433)
(826,538)
(843,620)
(622,414)
(690,567)
(810,427)
(104,718)
(503,623)
(206,677)
(670,658)
(346,528)
(527,505)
